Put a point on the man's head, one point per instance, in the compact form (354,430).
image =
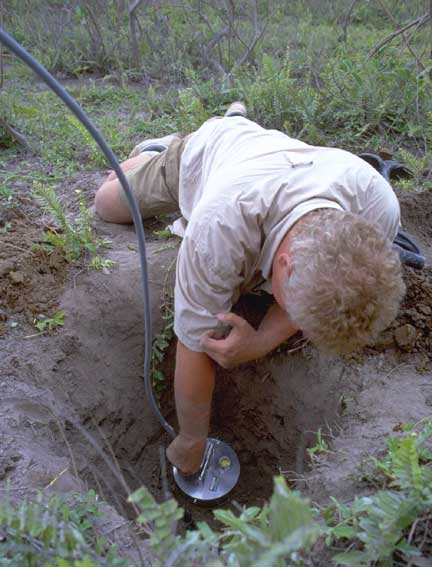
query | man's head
(338,278)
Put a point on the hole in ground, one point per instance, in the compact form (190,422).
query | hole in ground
(269,413)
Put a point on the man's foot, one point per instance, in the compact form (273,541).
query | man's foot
(154,145)
(236,109)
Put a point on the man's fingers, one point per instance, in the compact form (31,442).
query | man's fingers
(233,319)
(209,343)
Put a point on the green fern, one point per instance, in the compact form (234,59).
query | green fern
(190,111)
(406,468)
(95,155)
(380,523)
(428,131)
(73,237)
(268,92)
(414,163)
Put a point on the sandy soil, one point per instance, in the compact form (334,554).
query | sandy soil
(73,411)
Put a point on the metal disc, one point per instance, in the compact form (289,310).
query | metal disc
(219,473)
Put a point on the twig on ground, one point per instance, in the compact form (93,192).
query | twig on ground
(20,138)
(35,335)
(55,479)
(17,247)
(65,439)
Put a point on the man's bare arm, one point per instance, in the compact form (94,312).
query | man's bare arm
(244,343)
(193,385)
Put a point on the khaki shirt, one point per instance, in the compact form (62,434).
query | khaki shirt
(241,189)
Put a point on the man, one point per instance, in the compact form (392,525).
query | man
(313,225)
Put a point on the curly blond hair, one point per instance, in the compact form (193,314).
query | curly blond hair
(346,280)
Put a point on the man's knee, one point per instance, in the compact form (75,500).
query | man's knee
(109,204)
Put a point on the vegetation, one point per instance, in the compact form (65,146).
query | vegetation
(54,532)
(160,346)
(72,237)
(44,324)
(388,527)
(314,69)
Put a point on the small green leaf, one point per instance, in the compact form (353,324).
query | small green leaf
(344,531)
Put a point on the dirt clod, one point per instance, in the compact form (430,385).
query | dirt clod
(16,277)
(405,337)
(385,153)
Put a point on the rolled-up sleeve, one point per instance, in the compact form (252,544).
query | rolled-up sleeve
(383,207)
(201,292)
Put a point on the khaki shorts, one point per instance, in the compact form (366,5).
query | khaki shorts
(155,182)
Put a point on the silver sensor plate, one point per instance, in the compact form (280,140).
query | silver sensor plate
(219,473)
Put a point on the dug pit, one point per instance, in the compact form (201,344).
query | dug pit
(89,378)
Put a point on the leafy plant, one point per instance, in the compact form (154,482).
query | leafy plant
(384,524)
(163,234)
(321,446)
(374,529)
(417,165)
(190,111)
(7,226)
(54,533)
(281,533)
(7,197)
(268,92)
(161,342)
(50,323)
(98,263)
(95,155)
(74,237)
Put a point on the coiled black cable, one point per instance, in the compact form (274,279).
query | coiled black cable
(54,85)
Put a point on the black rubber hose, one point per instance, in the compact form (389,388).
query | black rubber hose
(54,85)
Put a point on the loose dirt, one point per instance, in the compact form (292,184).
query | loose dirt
(31,280)
(73,411)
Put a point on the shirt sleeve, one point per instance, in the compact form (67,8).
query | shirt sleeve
(383,207)
(206,285)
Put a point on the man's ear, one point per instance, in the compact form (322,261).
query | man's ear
(284,262)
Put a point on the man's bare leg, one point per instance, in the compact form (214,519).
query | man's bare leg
(110,206)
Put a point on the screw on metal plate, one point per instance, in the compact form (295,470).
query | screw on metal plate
(218,474)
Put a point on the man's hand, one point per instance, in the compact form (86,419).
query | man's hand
(244,343)
(186,454)
(241,345)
